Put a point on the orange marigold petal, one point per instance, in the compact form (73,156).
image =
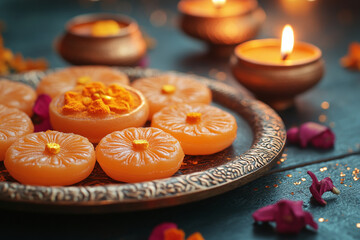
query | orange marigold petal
(195,236)
(174,234)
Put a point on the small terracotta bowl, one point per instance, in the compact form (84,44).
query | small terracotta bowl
(124,49)
(224,31)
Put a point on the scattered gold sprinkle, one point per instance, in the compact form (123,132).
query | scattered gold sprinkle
(289,175)
(350,185)
(292,193)
(267,186)
(278,162)
(342,174)
(337,164)
(297,183)
(348,168)
(221,76)
(303,179)
(158,18)
(326,220)
(325,105)
(323,169)
(345,185)
(358,225)
(321,219)
(275,185)
(322,118)
(342,181)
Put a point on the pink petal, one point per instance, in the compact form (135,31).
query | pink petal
(265,214)
(158,232)
(293,135)
(308,131)
(317,188)
(144,62)
(289,218)
(41,106)
(43,126)
(288,215)
(309,220)
(324,140)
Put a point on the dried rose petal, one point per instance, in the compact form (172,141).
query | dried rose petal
(324,140)
(317,188)
(288,215)
(311,133)
(41,106)
(158,231)
(293,135)
(43,126)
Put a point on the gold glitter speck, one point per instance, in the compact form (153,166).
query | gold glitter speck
(292,193)
(303,179)
(325,105)
(321,219)
(323,169)
(289,175)
(297,183)
(267,186)
(275,185)
(358,225)
(322,118)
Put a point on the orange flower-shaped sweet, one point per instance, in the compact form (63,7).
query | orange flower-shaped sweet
(13,125)
(17,95)
(201,129)
(50,158)
(98,110)
(169,89)
(139,154)
(67,79)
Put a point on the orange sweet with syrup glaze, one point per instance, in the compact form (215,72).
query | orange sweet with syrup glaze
(97,110)
(17,95)
(13,125)
(165,90)
(139,154)
(50,158)
(67,79)
(201,129)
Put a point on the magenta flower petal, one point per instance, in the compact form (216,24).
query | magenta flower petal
(293,135)
(317,188)
(144,62)
(324,140)
(265,214)
(158,231)
(308,131)
(41,106)
(288,215)
(43,126)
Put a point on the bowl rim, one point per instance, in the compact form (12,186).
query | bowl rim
(131,24)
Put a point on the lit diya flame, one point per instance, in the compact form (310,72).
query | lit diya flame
(287,41)
(218,3)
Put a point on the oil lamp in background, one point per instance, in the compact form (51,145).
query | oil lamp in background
(221,24)
(102,39)
(276,71)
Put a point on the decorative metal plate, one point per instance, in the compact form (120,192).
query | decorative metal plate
(200,177)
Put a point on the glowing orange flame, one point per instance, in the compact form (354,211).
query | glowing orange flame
(218,3)
(287,41)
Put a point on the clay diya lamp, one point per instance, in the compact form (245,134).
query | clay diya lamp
(277,71)
(221,24)
(102,39)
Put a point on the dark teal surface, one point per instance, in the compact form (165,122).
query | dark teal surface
(31,28)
